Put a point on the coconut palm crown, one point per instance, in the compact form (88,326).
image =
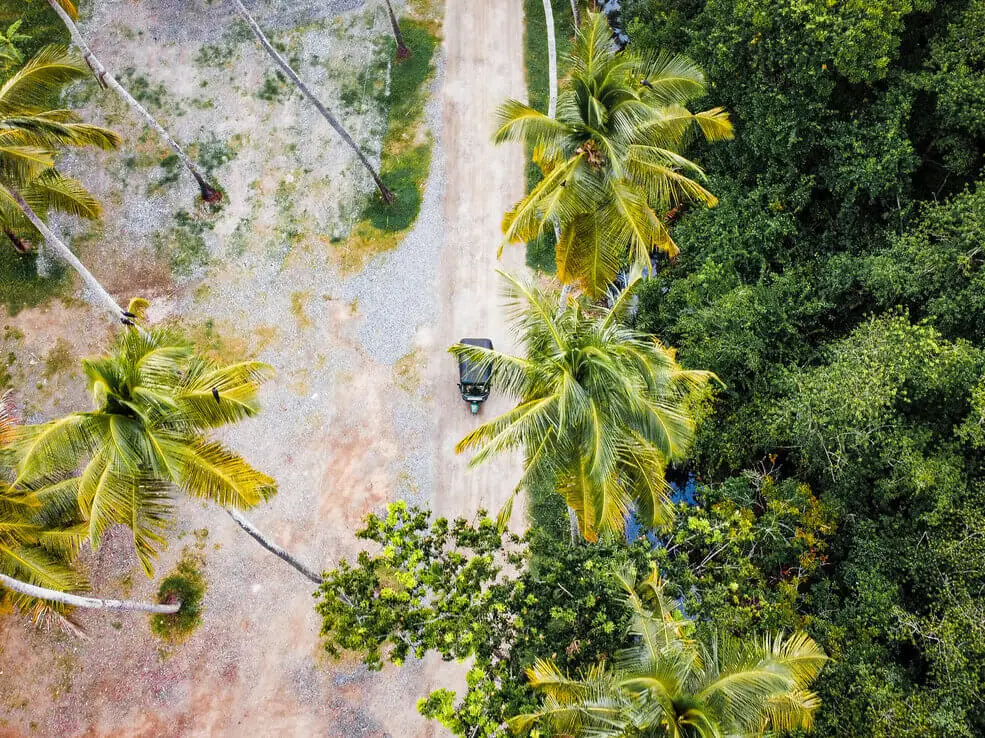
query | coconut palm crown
(32,131)
(601,407)
(154,404)
(668,684)
(37,536)
(612,159)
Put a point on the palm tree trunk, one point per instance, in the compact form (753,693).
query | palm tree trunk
(19,243)
(289,71)
(72,600)
(551,60)
(576,17)
(402,51)
(573,528)
(66,255)
(209,193)
(246,525)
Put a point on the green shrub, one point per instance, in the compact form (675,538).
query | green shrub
(187,585)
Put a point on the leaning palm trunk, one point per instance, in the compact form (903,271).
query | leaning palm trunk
(209,193)
(575,15)
(551,60)
(289,71)
(66,255)
(402,51)
(72,600)
(246,525)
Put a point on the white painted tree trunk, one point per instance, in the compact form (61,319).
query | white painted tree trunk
(573,528)
(209,193)
(65,254)
(246,525)
(551,60)
(72,600)
(289,71)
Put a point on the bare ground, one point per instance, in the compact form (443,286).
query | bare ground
(364,409)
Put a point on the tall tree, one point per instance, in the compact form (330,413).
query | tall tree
(385,193)
(601,407)
(31,132)
(155,404)
(67,12)
(402,51)
(612,160)
(667,683)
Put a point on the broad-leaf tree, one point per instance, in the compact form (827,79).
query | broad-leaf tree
(32,131)
(602,408)
(612,160)
(669,682)
(68,14)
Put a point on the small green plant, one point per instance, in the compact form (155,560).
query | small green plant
(59,359)
(143,90)
(184,244)
(214,55)
(186,585)
(171,167)
(275,87)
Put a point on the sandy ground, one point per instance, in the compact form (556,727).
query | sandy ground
(364,409)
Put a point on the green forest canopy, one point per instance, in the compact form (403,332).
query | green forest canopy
(837,291)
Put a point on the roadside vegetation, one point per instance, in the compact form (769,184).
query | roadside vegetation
(750,391)
(406,152)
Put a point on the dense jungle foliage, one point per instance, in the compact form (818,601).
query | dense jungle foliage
(838,290)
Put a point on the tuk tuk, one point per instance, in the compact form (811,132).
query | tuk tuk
(473,380)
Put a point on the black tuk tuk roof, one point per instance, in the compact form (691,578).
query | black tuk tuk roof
(467,371)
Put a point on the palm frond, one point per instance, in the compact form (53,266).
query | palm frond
(211,471)
(516,121)
(52,190)
(42,75)
(669,79)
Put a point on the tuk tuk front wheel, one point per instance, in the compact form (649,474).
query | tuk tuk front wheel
(475,407)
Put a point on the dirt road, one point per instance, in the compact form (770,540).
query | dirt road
(484,43)
(364,409)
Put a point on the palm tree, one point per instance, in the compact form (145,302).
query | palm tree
(601,407)
(67,12)
(30,134)
(37,536)
(667,684)
(612,159)
(402,51)
(49,191)
(155,404)
(385,193)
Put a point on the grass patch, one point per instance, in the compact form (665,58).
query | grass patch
(184,243)
(20,285)
(60,359)
(406,157)
(187,585)
(540,252)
